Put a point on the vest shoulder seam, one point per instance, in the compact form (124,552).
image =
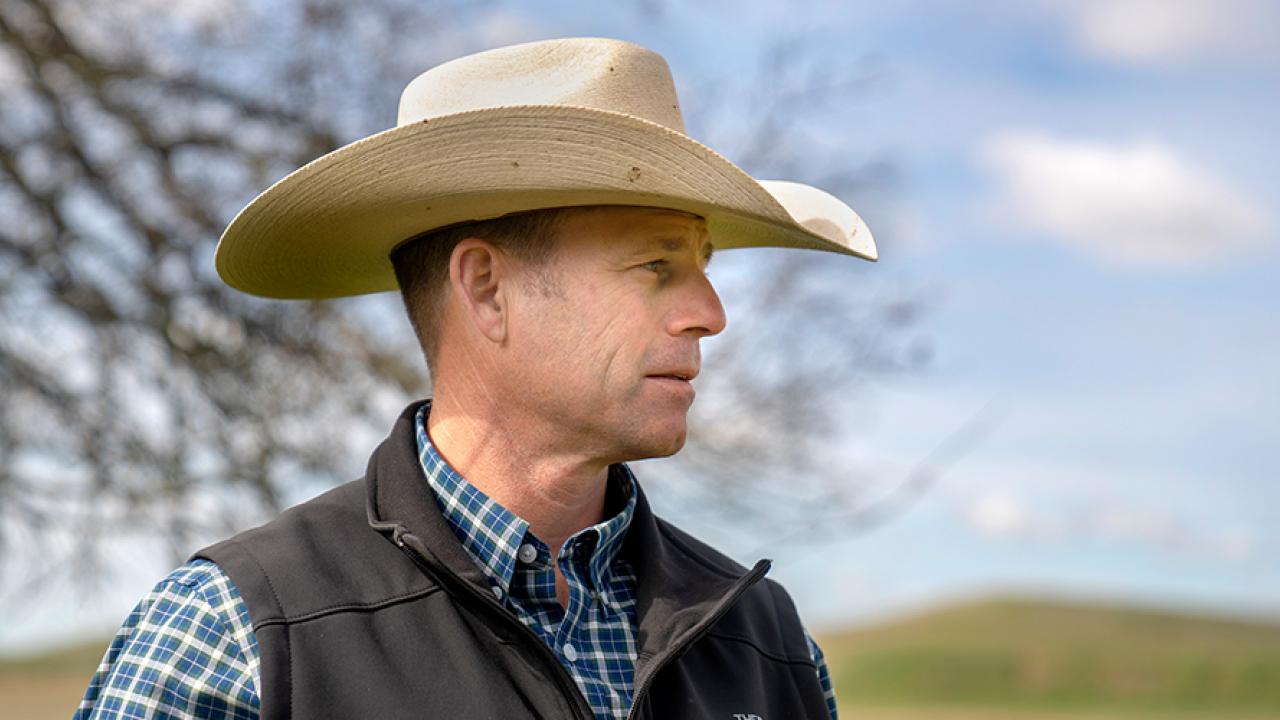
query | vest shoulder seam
(244,550)
(752,643)
(347,607)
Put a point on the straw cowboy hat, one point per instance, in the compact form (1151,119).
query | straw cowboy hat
(557,123)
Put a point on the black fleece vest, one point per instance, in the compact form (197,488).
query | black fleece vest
(365,605)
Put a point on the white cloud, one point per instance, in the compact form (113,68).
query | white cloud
(1136,524)
(1056,520)
(1236,544)
(1170,533)
(1161,31)
(999,514)
(1138,203)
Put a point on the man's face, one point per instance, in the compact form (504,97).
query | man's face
(605,342)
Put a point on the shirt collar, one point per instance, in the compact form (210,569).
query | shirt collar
(492,535)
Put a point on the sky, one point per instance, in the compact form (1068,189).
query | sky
(1089,190)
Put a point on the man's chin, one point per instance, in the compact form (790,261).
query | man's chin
(669,449)
(659,443)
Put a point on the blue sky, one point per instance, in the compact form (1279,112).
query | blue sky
(1090,190)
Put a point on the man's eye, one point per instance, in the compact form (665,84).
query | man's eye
(657,266)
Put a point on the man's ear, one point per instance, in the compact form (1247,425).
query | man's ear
(478,277)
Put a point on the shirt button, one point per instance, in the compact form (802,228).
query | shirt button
(570,652)
(527,553)
(497,591)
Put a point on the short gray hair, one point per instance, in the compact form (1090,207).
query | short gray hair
(421,263)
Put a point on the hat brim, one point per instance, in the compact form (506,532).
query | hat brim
(327,229)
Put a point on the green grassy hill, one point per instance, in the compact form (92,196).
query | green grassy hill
(1044,655)
(991,660)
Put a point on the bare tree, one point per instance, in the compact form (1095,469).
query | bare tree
(141,395)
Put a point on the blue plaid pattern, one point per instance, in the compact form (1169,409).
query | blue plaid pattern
(824,675)
(188,649)
(594,637)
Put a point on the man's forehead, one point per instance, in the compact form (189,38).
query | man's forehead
(646,227)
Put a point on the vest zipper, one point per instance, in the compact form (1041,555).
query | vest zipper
(566,682)
(701,629)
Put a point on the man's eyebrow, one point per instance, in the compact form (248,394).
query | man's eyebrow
(676,244)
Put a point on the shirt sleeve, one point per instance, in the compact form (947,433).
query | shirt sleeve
(824,677)
(186,651)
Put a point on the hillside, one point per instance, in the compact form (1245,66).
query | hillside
(993,660)
(1036,654)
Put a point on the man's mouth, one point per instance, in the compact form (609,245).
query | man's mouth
(682,375)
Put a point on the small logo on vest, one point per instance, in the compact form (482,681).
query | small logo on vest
(746,716)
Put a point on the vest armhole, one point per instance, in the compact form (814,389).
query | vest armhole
(254,584)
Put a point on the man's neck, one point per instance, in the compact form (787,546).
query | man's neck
(557,492)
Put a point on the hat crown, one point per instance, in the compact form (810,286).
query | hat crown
(598,73)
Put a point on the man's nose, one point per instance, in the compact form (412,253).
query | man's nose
(700,312)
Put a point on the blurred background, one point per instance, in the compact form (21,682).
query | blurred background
(1023,467)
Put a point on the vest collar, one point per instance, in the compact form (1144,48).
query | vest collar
(681,586)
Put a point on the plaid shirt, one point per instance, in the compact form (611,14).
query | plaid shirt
(188,648)
(594,636)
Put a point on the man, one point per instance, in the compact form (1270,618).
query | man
(548,224)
